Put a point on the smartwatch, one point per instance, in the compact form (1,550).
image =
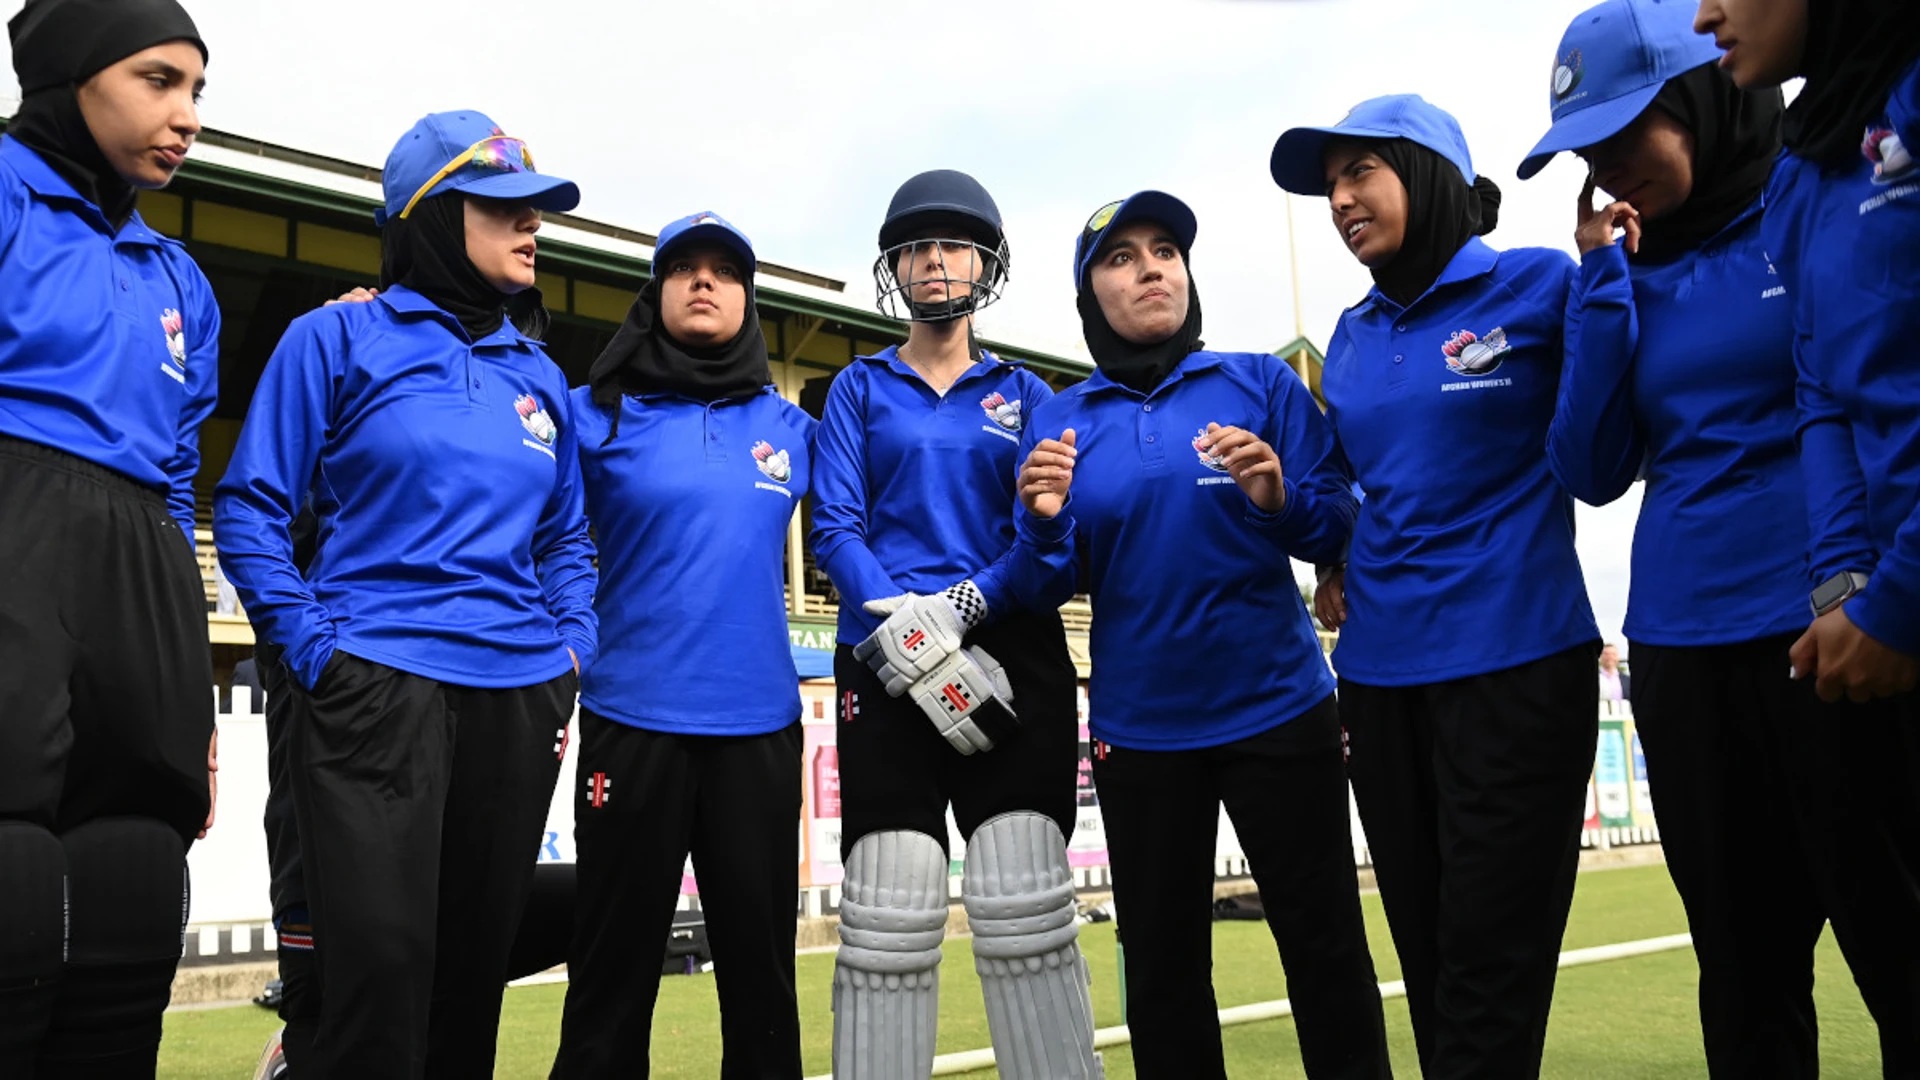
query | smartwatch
(1837,590)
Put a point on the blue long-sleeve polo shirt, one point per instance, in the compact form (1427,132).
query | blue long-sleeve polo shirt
(1687,366)
(445,477)
(109,340)
(1462,560)
(1847,244)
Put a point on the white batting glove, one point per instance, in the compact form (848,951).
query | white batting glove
(954,694)
(920,633)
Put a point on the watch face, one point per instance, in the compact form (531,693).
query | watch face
(1832,591)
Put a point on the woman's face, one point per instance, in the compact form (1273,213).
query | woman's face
(703,295)
(939,256)
(500,242)
(144,111)
(1140,281)
(1368,202)
(1647,164)
(1765,40)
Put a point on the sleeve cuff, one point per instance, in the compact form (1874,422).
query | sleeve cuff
(1049,532)
(1276,521)
(1887,616)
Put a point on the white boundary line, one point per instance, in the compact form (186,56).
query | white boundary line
(972,1060)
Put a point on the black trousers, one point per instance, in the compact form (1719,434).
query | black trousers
(1860,789)
(106,700)
(897,772)
(421,807)
(106,709)
(1472,793)
(1286,793)
(1719,724)
(644,801)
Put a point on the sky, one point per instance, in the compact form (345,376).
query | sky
(797,120)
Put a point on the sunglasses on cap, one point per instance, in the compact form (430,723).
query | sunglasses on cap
(501,153)
(1100,219)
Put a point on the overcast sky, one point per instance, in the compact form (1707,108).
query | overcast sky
(796,119)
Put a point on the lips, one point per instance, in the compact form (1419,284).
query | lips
(1154,294)
(1357,229)
(704,305)
(171,156)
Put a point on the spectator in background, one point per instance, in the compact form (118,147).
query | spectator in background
(1615,685)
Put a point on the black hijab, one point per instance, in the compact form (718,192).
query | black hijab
(427,252)
(1856,49)
(1736,137)
(59,44)
(643,358)
(1443,213)
(1140,368)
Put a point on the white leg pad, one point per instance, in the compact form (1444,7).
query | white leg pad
(1018,892)
(886,979)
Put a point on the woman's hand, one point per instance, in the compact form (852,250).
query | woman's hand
(1595,228)
(1046,476)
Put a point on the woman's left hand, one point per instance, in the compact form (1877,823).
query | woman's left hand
(213,782)
(1252,464)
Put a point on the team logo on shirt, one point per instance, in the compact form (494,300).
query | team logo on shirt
(535,419)
(1567,75)
(176,331)
(1889,155)
(774,464)
(1470,355)
(1207,457)
(1001,411)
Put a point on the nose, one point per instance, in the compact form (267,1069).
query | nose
(1708,17)
(1340,199)
(186,117)
(528,221)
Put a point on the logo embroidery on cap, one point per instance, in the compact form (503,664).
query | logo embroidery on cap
(1470,355)
(175,328)
(774,464)
(1567,74)
(1889,155)
(1001,411)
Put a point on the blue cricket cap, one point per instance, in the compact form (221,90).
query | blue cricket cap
(466,151)
(709,228)
(1299,154)
(1155,206)
(1610,66)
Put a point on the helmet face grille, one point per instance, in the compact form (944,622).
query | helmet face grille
(972,275)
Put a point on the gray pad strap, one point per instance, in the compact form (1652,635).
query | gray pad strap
(1019,896)
(886,979)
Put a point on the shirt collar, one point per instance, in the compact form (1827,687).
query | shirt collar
(1475,258)
(1191,364)
(43,181)
(653,396)
(407,302)
(889,357)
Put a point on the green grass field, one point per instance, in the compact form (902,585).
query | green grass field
(1623,1019)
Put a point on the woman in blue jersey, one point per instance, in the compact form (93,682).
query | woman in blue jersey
(1680,368)
(949,692)
(109,342)
(432,643)
(1467,678)
(690,717)
(1194,476)
(1843,229)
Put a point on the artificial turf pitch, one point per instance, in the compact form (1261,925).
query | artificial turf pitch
(1629,1018)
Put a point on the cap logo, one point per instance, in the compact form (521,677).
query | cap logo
(1102,216)
(1567,74)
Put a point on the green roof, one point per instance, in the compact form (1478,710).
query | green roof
(355,212)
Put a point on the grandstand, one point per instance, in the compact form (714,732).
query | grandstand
(280,231)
